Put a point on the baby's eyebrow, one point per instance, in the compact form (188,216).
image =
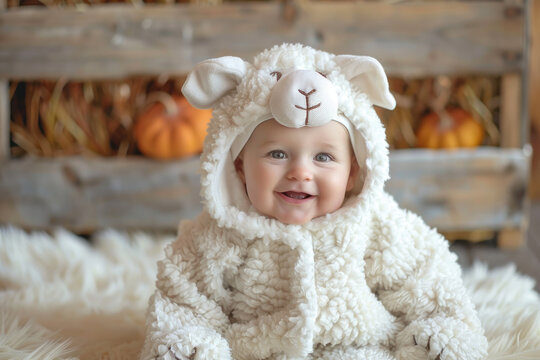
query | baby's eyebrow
(328,145)
(271,143)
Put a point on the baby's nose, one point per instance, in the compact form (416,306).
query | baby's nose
(300,172)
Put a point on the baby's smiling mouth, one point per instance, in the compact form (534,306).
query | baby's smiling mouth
(296,195)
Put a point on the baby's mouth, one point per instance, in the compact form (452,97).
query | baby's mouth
(296,195)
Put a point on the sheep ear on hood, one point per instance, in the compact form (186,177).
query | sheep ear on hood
(211,79)
(368,76)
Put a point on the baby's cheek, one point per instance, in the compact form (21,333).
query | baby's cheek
(333,191)
(259,184)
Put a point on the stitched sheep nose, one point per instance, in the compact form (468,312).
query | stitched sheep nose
(306,93)
(303,98)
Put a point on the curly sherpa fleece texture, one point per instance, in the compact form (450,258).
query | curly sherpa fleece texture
(369,281)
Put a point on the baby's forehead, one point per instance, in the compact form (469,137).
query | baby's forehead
(268,130)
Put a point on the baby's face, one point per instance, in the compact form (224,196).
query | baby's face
(295,175)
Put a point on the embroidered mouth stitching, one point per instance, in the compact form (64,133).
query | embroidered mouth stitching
(307,108)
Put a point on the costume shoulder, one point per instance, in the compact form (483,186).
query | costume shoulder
(205,236)
(400,242)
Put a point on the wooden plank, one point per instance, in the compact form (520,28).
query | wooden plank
(472,236)
(480,189)
(4,120)
(111,41)
(86,194)
(462,190)
(533,236)
(4,109)
(510,121)
(510,239)
(415,38)
(534,103)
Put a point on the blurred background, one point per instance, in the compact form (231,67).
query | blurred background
(94,132)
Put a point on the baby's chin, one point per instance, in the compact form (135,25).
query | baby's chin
(300,217)
(294,219)
(295,222)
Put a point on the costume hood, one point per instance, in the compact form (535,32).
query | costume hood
(298,86)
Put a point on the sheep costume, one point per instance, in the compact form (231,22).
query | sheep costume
(368,281)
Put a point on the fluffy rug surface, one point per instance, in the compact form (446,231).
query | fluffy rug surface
(63,297)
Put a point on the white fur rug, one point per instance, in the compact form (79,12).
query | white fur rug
(61,298)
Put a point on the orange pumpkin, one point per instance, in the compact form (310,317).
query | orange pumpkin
(454,128)
(171,128)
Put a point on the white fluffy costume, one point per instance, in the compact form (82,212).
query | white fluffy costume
(368,281)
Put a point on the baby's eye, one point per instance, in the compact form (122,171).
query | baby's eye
(277,154)
(323,157)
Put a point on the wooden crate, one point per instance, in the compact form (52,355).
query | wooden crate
(465,190)
(534,106)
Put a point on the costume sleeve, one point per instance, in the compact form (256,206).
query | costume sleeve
(411,269)
(183,320)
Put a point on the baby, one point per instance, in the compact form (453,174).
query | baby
(299,253)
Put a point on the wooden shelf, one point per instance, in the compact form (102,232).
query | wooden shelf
(463,190)
(86,194)
(408,38)
(457,190)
